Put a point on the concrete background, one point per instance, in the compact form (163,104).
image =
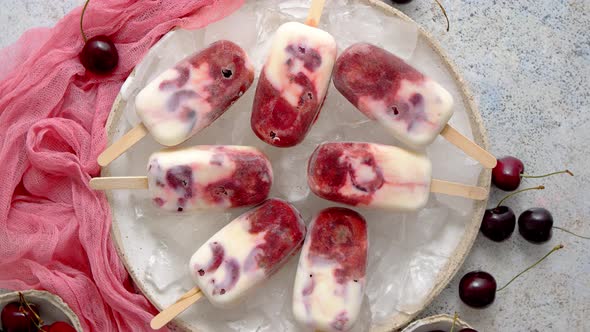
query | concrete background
(528,64)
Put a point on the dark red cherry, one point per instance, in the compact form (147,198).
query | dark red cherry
(59,327)
(506,174)
(509,171)
(477,289)
(498,223)
(17,318)
(99,55)
(535,225)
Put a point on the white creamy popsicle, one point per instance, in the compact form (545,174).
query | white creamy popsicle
(413,107)
(330,279)
(187,98)
(209,177)
(293,84)
(368,174)
(247,251)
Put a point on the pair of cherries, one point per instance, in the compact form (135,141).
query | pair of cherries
(534,224)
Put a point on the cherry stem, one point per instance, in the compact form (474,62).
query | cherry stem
(572,233)
(545,175)
(518,191)
(454,321)
(22,299)
(82,21)
(444,13)
(530,267)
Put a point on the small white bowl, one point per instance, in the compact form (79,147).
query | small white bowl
(438,322)
(52,307)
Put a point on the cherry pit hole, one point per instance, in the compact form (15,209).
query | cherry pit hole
(227,73)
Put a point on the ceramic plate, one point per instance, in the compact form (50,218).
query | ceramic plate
(412,255)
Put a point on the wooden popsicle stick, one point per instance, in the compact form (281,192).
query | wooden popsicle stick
(119,182)
(315,12)
(168,314)
(469,147)
(458,189)
(123,144)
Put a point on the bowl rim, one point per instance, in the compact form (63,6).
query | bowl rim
(456,259)
(435,319)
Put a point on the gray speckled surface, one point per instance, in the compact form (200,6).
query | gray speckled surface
(528,66)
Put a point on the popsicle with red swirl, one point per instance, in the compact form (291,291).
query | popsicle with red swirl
(209,177)
(247,251)
(368,174)
(378,176)
(413,107)
(331,275)
(185,99)
(200,177)
(293,84)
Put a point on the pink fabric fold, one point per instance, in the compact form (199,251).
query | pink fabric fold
(54,230)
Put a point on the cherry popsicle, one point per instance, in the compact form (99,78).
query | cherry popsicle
(294,81)
(378,176)
(187,98)
(330,279)
(241,256)
(414,108)
(201,177)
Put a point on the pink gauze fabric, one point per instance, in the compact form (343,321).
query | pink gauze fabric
(54,230)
